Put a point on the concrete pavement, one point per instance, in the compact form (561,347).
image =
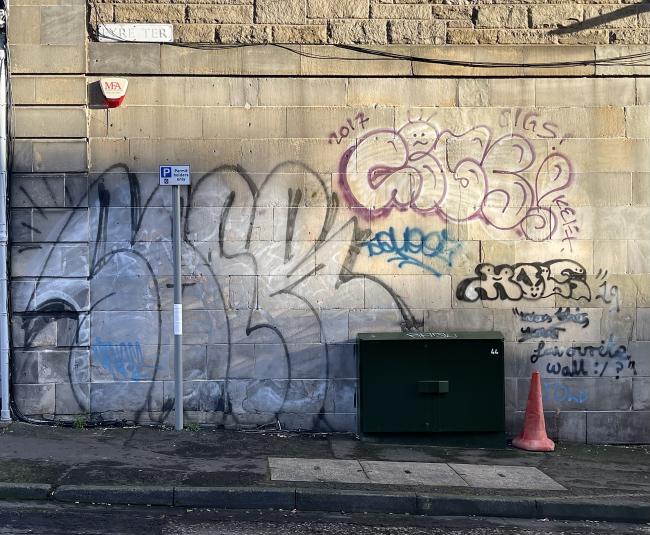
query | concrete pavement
(228,469)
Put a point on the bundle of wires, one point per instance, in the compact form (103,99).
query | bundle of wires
(641,59)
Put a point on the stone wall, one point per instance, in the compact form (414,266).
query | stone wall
(329,197)
(389,21)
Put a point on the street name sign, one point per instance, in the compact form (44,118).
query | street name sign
(143,33)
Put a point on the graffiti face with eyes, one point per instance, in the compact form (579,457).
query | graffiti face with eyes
(420,138)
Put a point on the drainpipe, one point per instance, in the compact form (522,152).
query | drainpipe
(5,413)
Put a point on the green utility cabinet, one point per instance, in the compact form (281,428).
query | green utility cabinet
(436,387)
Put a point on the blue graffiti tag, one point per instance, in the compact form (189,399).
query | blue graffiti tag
(124,360)
(432,245)
(559,393)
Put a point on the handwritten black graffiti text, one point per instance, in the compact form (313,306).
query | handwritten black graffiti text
(344,131)
(599,357)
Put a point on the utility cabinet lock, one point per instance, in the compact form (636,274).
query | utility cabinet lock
(433,387)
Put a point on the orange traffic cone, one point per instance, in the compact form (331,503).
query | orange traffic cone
(533,437)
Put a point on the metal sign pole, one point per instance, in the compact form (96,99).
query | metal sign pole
(176,176)
(178,310)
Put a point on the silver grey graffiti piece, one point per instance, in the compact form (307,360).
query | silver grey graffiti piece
(526,281)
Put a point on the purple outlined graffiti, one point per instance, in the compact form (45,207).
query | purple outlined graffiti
(473,175)
(534,124)
(528,281)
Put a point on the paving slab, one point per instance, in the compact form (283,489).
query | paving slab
(316,470)
(412,473)
(505,477)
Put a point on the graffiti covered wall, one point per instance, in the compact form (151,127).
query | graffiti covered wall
(320,208)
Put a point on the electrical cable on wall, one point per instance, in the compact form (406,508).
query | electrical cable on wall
(627,60)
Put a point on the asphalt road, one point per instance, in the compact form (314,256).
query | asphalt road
(71,519)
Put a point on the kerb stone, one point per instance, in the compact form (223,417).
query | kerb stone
(118,494)
(235,498)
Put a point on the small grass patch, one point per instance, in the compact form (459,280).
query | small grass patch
(79,421)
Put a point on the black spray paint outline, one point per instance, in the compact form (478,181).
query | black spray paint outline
(100,257)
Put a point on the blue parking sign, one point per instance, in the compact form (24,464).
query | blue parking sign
(174,175)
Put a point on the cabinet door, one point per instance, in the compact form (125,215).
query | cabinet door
(475,400)
(388,382)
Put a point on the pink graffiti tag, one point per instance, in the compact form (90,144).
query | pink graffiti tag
(501,181)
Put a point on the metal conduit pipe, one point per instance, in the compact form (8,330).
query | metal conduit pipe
(5,413)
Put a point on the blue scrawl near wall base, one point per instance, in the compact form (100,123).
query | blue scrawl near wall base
(559,393)
(433,245)
(124,360)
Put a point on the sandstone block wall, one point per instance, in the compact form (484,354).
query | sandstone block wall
(388,21)
(328,197)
